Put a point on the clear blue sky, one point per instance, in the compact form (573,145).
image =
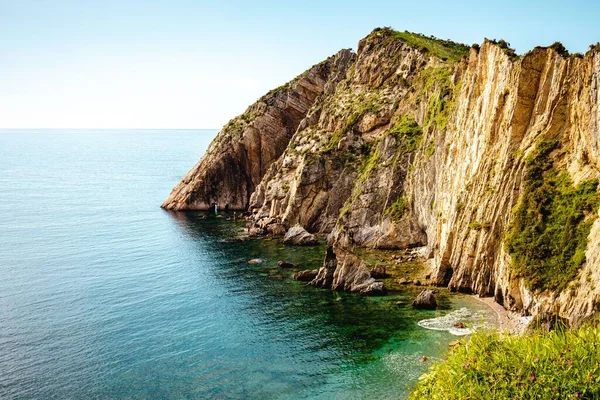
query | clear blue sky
(195,64)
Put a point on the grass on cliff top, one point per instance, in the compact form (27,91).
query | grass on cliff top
(558,365)
(447,50)
(547,237)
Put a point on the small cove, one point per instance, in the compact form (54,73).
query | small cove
(105,295)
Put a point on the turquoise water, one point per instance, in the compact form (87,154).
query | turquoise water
(105,295)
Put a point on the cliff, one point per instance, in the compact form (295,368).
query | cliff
(242,152)
(485,161)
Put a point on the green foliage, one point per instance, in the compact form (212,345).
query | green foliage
(369,164)
(560,49)
(477,226)
(407,132)
(397,209)
(361,107)
(430,148)
(561,364)
(547,237)
(446,50)
(504,45)
(442,101)
(339,134)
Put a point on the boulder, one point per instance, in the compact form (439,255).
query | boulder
(298,236)
(379,272)
(255,230)
(284,264)
(276,229)
(370,288)
(425,300)
(306,275)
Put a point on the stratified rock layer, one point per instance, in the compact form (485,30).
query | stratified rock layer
(409,150)
(239,156)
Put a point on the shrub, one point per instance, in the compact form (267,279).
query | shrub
(560,49)
(558,365)
(547,237)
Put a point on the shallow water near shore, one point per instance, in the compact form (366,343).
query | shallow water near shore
(105,295)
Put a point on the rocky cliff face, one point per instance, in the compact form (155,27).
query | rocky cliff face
(242,152)
(485,161)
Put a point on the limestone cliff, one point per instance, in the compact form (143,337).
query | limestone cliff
(474,155)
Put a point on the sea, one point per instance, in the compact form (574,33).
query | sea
(104,295)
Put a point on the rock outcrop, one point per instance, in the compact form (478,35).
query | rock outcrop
(345,271)
(425,300)
(298,236)
(243,151)
(285,264)
(306,275)
(474,155)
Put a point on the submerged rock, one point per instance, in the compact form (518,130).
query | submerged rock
(306,275)
(297,235)
(425,300)
(256,231)
(285,264)
(379,272)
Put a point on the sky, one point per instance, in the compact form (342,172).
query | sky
(167,64)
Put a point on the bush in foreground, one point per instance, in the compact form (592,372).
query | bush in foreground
(558,365)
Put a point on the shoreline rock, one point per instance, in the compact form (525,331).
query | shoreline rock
(305,276)
(298,236)
(425,300)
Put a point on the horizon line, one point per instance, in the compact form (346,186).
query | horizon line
(108,129)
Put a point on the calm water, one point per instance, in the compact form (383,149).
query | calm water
(105,295)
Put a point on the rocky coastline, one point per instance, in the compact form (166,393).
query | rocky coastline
(417,144)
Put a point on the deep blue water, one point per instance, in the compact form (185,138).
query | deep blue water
(105,295)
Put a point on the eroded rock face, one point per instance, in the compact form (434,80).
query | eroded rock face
(402,149)
(242,152)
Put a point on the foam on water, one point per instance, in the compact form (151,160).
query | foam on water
(472,319)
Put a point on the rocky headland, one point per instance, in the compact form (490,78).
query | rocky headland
(482,162)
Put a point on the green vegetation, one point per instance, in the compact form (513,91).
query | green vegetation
(477,226)
(446,50)
(407,132)
(408,135)
(560,49)
(561,364)
(504,45)
(397,209)
(430,148)
(547,237)
(361,105)
(442,101)
(339,134)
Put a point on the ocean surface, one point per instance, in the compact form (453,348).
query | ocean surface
(104,295)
